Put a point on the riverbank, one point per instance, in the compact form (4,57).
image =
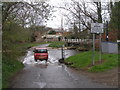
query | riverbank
(57,44)
(105,72)
(83,61)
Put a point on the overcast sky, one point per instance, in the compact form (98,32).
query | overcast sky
(56,22)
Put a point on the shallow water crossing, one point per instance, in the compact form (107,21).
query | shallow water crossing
(51,75)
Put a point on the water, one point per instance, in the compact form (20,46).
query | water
(53,56)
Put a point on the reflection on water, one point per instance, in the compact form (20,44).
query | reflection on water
(70,53)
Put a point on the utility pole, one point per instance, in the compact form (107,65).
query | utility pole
(79,18)
(62,24)
(62,38)
(79,22)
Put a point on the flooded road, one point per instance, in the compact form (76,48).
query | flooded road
(53,75)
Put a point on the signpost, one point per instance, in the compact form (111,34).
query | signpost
(93,54)
(100,48)
(62,54)
(96,28)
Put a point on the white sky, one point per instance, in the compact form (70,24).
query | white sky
(56,22)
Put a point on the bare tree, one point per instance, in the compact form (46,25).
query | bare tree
(80,13)
(27,13)
(83,13)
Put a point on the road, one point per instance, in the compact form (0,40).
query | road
(52,75)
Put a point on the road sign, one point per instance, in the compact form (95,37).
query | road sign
(97,28)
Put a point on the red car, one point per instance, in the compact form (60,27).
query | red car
(40,54)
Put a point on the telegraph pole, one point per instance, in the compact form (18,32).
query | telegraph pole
(79,20)
(62,24)
(62,49)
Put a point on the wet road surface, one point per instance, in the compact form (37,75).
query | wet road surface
(53,75)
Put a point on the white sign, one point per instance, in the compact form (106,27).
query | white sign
(97,28)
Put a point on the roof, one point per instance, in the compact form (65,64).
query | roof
(51,36)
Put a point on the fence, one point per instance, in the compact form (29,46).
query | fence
(77,40)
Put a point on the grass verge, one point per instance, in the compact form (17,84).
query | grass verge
(84,61)
(56,44)
(0,70)
(26,45)
(10,67)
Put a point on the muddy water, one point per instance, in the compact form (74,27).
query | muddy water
(53,55)
(39,75)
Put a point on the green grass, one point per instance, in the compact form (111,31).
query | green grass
(10,67)
(25,45)
(0,70)
(56,44)
(83,60)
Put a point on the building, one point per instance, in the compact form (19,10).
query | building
(48,38)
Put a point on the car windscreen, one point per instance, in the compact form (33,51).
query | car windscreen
(41,51)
